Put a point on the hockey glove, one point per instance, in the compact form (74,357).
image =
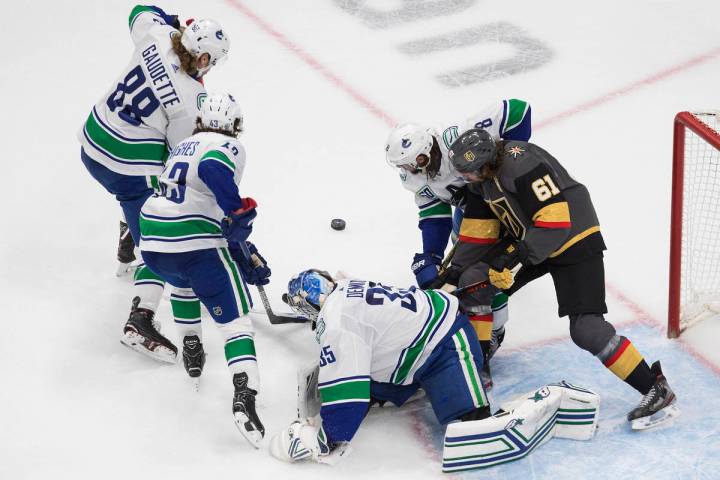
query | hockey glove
(425,268)
(450,277)
(506,254)
(300,441)
(255,270)
(236,227)
(501,279)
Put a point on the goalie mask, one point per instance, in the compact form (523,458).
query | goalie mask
(405,143)
(307,292)
(221,112)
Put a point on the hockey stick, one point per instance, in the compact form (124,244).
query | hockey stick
(473,287)
(274,318)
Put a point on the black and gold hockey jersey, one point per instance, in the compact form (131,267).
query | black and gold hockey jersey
(534,199)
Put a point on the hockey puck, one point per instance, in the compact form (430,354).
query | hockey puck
(337,224)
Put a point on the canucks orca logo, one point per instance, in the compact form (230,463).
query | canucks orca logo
(406,143)
(219,34)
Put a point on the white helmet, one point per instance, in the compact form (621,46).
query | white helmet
(406,142)
(206,36)
(221,112)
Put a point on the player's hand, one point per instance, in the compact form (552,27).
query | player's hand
(449,279)
(255,271)
(237,226)
(507,253)
(501,279)
(425,268)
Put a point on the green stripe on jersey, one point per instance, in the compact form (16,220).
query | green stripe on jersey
(439,210)
(129,151)
(220,157)
(176,228)
(499,300)
(353,390)
(410,355)
(137,11)
(516,113)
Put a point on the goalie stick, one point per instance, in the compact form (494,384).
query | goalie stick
(274,318)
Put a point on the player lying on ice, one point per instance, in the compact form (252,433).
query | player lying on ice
(386,343)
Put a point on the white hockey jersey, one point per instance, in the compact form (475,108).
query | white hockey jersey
(433,195)
(186,216)
(368,331)
(150,107)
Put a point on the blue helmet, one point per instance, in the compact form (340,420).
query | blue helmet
(307,292)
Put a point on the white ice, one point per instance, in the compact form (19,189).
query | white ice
(320,88)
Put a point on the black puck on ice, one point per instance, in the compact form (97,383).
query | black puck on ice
(337,224)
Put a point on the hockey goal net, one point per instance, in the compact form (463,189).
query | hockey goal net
(695,221)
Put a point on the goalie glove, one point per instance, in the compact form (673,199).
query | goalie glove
(304,441)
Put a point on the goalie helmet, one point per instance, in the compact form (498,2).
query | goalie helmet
(472,150)
(206,36)
(307,292)
(221,112)
(406,142)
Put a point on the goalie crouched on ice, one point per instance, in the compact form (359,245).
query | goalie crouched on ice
(383,342)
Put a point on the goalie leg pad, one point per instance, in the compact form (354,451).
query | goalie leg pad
(560,409)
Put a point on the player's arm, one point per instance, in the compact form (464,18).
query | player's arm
(217,169)
(143,17)
(344,384)
(517,122)
(479,231)
(541,197)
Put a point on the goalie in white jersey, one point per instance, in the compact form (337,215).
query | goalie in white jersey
(421,155)
(383,342)
(190,235)
(149,109)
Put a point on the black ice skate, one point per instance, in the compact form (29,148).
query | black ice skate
(496,340)
(244,412)
(485,375)
(140,334)
(193,358)
(657,406)
(125,251)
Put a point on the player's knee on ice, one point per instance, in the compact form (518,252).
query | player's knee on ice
(591,332)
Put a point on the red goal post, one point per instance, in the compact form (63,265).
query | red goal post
(694,286)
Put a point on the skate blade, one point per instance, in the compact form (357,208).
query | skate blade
(134,341)
(252,436)
(656,419)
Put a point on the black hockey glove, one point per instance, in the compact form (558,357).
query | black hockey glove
(450,276)
(506,254)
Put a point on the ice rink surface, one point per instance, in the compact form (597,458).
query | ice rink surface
(321,82)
